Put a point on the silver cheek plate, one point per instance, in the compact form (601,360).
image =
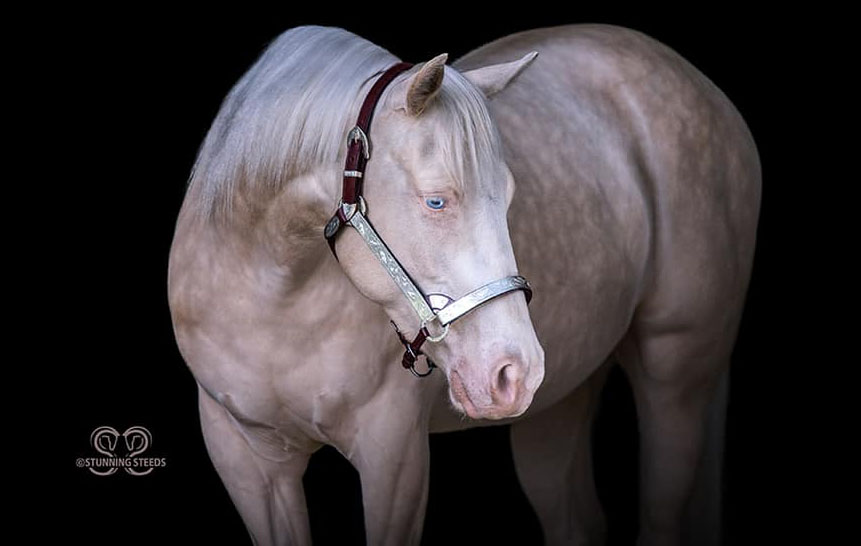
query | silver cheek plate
(437,308)
(391,265)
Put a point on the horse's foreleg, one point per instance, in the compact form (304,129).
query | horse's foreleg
(268,494)
(553,457)
(678,380)
(391,454)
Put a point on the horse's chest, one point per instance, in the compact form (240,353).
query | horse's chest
(289,394)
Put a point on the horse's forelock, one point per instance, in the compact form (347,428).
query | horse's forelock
(473,147)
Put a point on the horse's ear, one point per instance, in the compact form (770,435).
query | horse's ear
(494,78)
(417,92)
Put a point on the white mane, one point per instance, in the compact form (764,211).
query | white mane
(291,110)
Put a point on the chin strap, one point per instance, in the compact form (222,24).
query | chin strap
(352,211)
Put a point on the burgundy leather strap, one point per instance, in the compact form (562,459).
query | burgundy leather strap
(413,349)
(358,152)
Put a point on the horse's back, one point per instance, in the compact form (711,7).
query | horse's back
(638,185)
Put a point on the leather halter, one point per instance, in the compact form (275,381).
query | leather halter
(352,211)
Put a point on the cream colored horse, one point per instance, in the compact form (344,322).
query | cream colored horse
(634,218)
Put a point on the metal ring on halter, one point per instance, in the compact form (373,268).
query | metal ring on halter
(435,339)
(430,364)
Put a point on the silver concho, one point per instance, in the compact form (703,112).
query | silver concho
(332,227)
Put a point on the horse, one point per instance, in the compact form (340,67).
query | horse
(591,160)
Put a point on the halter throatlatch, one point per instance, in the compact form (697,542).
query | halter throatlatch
(352,211)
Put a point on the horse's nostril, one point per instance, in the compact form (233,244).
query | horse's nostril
(503,380)
(505,385)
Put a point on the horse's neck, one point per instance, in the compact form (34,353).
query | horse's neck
(282,240)
(269,251)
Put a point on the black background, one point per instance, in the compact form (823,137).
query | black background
(131,98)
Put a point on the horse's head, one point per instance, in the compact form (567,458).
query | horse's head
(438,191)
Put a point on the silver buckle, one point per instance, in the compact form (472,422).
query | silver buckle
(357,134)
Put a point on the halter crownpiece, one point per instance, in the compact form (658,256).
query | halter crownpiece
(352,211)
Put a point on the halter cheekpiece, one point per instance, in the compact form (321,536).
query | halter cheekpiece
(352,211)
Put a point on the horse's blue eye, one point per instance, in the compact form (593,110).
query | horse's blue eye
(435,203)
